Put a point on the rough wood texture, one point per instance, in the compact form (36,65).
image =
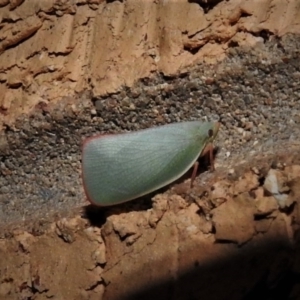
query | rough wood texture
(235,234)
(52,49)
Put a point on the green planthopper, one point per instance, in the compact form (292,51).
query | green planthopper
(121,167)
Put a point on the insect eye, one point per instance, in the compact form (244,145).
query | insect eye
(210,133)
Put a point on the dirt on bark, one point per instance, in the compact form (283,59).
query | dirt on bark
(72,69)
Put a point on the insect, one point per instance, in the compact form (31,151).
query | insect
(117,168)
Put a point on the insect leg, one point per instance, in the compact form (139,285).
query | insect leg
(196,164)
(209,149)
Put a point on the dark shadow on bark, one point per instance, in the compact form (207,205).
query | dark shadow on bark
(264,271)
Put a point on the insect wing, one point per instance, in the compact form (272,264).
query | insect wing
(121,167)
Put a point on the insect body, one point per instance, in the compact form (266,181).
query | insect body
(121,167)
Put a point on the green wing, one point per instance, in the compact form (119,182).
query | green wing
(121,167)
